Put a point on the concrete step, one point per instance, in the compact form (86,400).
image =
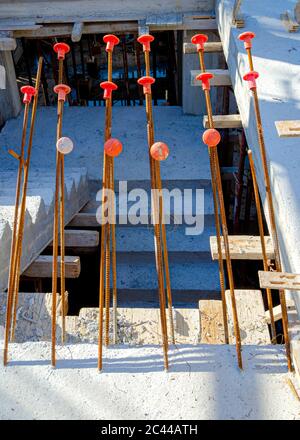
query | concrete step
(39,211)
(141,239)
(136,273)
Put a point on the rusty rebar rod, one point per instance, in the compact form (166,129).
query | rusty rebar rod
(161,252)
(262,241)
(59,207)
(251,77)
(108,258)
(215,202)
(21,222)
(12,265)
(216,176)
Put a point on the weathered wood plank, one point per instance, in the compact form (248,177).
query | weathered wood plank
(215,46)
(81,238)
(251,315)
(221,77)
(277,312)
(279,280)
(224,121)
(288,128)
(7,43)
(243,247)
(42,267)
(211,322)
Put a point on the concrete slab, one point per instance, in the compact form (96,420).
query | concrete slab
(188,157)
(203,383)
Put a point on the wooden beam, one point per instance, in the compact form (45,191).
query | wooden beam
(221,77)
(77,31)
(251,315)
(289,21)
(211,322)
(7,42)
(216,46)
(288,128)
(84,220)
(15,26)
(224,121)
(277,312)
(243,247)
(279,280)
(42,267)
(81,238)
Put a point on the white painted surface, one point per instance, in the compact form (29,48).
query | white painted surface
(203,383)
(276,57)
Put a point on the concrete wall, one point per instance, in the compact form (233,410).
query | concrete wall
(10,104)
(276,58)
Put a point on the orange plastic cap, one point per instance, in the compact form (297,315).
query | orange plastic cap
(159,151)
(211,137)
(113,147)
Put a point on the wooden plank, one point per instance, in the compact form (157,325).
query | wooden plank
(279,280)
(288,128)
(81,238)
(224,121)
(277,312)
(211,322)
(221,77)
(243,247)
(14,26)
(251,315)
(289,22)
(77,31)
(215,46)
(84,220)
(42,267)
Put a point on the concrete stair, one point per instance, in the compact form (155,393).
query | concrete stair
(39,211)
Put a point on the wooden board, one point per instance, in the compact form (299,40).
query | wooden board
(221,77)
(279,280)
(7,43)
(288,128)
(224,121)
(81,239)
(42,267)
(251,315)
(215,46)
(277,312)
(243,247)
(211,322)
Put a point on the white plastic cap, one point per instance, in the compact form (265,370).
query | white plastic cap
(64,145)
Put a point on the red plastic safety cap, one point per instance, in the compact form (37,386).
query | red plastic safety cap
(246,37)
(211,137)
(108,88)
(251,78)
(113,147)
(199,40)
(145,40)
(205,78)
(61,49)
(62,90)
(146,82)
(29,92)
(111,41)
